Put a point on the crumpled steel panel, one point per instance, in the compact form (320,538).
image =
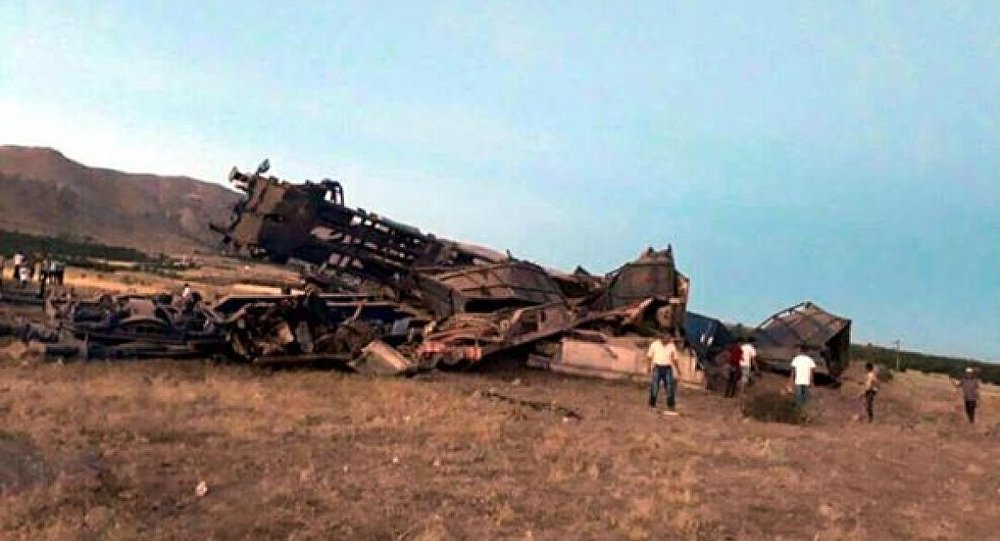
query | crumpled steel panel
(826,335)
(483,300)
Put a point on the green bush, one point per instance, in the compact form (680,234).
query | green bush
(773,407)
(65,247)
(922,362)
(884,372)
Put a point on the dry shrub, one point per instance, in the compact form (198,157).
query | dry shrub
(772,406)
(884,373)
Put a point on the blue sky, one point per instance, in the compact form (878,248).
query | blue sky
(847,153)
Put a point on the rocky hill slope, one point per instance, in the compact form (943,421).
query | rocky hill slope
(44,192)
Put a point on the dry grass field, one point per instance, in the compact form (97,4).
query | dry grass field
(217,276)
(117,450)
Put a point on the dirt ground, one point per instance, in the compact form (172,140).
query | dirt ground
(119,450)
(116,451)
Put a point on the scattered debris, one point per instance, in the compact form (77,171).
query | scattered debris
(536,405)
(382,360)
(400,301)
(597,354)
(473,302)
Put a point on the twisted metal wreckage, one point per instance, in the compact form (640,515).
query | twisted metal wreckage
(453,303)
(382,296)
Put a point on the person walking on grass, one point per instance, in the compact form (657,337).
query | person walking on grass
(663,367)
(969,385)
(803,367)
(871,389)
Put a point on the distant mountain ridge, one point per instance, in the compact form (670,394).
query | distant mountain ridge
(44,192)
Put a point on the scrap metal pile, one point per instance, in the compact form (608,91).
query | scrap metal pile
(807,325)
(451,303)
(382,296)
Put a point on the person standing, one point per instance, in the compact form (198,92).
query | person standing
(803,367)
(733,356)
(23,275)
(58,271)
(662,355)
(17,262)
(43,275)
(748,361)
(970,393)
(53,271)
(871,389)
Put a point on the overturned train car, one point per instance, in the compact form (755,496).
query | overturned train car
(826,337)
(477,301)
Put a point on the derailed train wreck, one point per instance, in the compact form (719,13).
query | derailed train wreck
(465,302)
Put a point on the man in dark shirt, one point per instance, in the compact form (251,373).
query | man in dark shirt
(970,393)
(732,356)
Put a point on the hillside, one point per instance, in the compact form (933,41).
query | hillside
(44,192)
(925,362)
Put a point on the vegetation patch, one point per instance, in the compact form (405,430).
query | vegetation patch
(772,406)
(923,362)
(66,247)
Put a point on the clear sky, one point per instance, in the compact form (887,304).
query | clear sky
(843,152)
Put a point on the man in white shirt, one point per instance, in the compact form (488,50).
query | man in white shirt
(803,367)
(55,272)
(748,361)
(23,275)
(18,261)
(662,355)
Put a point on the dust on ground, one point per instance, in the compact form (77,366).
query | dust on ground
(116,451)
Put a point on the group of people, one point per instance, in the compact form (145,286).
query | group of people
(969,386)
(740,362)
(23,270)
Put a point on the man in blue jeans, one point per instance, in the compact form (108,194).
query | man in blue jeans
(662,355)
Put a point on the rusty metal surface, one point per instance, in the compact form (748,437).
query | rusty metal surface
(652,275)
(596,354)
(155,319)
(310,222)
(827,336)
(482,301)
(404,298)
(486,288)
(380,359)
(470,337)
(261,329)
